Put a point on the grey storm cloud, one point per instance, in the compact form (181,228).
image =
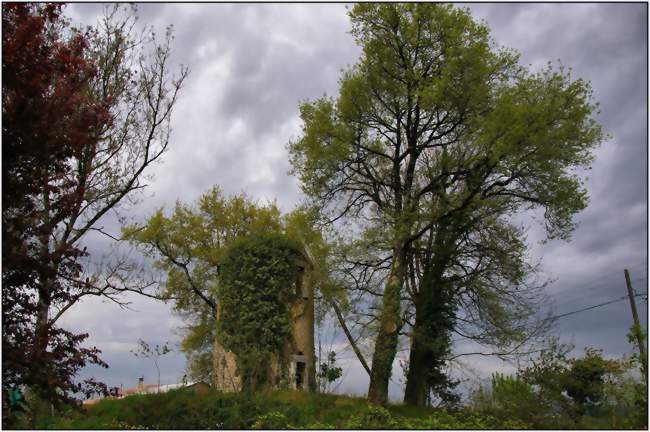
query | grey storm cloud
(252,64)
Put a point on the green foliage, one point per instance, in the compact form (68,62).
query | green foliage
(584,381)
(445,420)
(431,342)
(507,388)
(37,411)
(329,372)
(375,418)
(557,392)
(188,246)
(273,420)
(509,398)
(195,237)
(184,409)
(437,131)
(635,335)
(420,60)
(303,226)
(198,343)
(256,291)
(190,243)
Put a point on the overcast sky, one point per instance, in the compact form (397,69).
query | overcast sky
(252,64)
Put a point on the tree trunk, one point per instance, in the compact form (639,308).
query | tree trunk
(47,278)
(417,386)
(433,321)
(39,370)
(41,332)
(386,343)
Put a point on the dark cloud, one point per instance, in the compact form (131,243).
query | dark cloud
(607,45)
(251,65)
(116,331)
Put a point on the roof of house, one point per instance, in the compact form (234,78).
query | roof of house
(139,389)
(150,388)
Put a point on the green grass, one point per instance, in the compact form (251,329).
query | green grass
(184,409)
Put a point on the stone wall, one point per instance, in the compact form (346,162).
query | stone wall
(299,350)
(225,369)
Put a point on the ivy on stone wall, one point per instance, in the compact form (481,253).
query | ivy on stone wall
(256,290)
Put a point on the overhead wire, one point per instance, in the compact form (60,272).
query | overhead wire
(644,295)
(606,279)
(595,306)
(583,310)
(588,287)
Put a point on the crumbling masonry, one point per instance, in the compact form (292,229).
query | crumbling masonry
(298,355)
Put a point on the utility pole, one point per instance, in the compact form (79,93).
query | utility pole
(637,325)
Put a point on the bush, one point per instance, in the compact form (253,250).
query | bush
(509,398)
(183,409)
(555,392)
(375,418)
(272,420)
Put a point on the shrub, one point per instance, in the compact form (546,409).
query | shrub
(182,409)
(375,418)
(272,420)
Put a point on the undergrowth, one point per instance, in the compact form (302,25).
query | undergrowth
(184,409)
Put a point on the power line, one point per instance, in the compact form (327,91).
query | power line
(587,287)
(594,306)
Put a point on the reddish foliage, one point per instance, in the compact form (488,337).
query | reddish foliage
(49,118)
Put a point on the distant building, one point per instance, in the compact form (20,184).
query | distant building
(298,355)
(142,388)
(199,387)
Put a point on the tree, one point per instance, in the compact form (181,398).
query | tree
(435,319)
(475,284)
(189,244)
(432,121)
(557,392)
(48,118)
(575,389)
(328,373)
(84,114)
(154,353)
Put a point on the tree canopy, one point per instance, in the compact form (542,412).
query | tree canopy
(85,112)
(432,124)
(49,118)
(189,246)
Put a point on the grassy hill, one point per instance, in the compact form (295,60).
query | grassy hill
(184,409)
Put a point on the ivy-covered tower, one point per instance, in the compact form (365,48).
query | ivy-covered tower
(296,367)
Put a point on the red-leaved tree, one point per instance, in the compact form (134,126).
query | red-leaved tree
(84,114)
(48,118)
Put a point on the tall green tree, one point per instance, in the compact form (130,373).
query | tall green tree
(471,279)
(189,244)
(432,120)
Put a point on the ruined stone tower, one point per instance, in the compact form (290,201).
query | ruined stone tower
(298,356)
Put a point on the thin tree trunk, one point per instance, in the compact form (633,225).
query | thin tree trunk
(353,344)
(41,332)
(47,275)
